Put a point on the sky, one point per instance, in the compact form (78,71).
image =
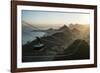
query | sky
(54,19)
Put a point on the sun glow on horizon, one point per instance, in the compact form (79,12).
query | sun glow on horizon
(53,19)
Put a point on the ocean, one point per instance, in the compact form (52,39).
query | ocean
(30,36)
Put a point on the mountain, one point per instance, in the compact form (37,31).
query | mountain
(26,28)
(80,31)
(58,45)
(62,37)
(76,33)
(28,35)
(79,49)
(53,44)
(64,28)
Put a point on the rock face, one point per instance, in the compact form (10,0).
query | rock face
(62,45)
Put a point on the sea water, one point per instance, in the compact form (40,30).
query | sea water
(30,36)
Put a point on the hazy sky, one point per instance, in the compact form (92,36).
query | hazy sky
(54,19)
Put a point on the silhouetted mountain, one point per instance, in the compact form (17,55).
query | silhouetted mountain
(74,30)
(79,49)
(65,44)
(80,31)
(56,42)
(26,28)
(76,33)
(28,35)
(63,37)
(64,28)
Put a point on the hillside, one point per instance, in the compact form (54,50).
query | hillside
(57,46)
